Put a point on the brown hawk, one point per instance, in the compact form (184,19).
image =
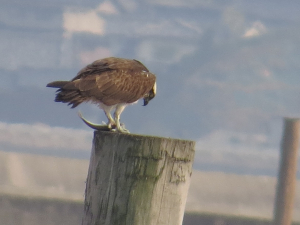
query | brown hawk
(111,83)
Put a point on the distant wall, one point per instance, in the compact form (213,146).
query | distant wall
(210,192)
(232,194)
(34,211)
(37,211)
(45,176)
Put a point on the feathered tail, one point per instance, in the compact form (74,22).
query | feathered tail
(57,84)
(67,93)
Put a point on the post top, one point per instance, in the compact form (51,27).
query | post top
(110,133)
(146,146)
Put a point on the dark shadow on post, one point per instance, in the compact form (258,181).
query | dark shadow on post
(137,180)
(286,184)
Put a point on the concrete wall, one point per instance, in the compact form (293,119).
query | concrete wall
(63,179)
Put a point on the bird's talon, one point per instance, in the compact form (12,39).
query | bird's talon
(123,129)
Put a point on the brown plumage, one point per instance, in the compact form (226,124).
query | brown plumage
(112,83)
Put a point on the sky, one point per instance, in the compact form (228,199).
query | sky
(227,74)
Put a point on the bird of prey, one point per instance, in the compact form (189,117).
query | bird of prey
(111,83)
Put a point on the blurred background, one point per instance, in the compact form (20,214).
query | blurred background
(227,73)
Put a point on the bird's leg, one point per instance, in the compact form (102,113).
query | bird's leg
(117,114)
(111,121)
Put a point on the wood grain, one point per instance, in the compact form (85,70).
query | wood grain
(137,180)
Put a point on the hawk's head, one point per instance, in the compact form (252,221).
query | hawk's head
(151,94)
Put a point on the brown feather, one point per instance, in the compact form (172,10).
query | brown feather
(57,84)
(110,81)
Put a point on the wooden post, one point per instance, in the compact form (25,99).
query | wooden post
(137,180)
(286,183)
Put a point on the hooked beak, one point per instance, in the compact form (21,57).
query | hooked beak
(146,101)
(150,95)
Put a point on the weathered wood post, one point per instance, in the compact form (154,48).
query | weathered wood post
(137,180)
(286,183)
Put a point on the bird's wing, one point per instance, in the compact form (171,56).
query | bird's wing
(109,64)
(113,81)
(126,88)
(117,86)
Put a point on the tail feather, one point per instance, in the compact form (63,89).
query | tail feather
(67,93)
(57,84)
